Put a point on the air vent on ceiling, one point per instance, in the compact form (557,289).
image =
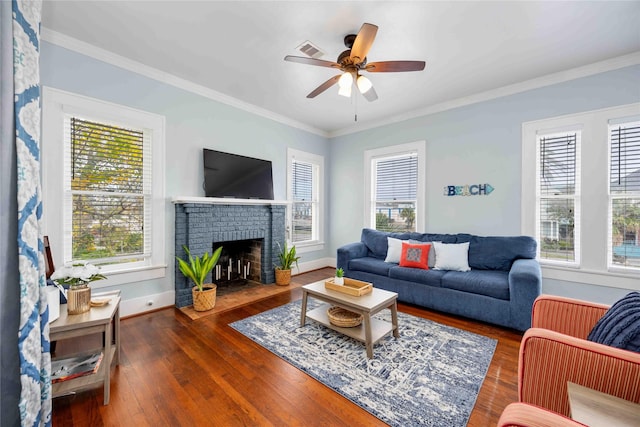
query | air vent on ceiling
(310,50)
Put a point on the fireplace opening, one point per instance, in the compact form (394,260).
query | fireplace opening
(239,265)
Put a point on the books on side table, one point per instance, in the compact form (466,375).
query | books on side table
(74,367)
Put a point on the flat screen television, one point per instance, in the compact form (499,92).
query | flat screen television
(240,177)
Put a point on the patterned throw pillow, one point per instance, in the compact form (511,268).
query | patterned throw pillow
(620,325)
(415,255)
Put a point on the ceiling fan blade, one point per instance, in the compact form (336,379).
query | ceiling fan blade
(363,42)
(370,95)
(311,61)
(394,66)
(324,86)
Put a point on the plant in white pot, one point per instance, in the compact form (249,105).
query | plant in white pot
(287,258)
(197,269)
(339,279)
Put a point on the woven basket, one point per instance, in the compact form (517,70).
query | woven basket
(344,318)
(204,300)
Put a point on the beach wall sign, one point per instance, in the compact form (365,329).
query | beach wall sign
(468,190)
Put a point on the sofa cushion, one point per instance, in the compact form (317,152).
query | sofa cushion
(452,256)
(482,282)
(620,325)
(498,253)
(417,276)
(376,241)
(371,265)
(394,250)
(415,255)
(433,237)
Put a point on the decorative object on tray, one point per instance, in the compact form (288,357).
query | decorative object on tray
(351,286)
(77,277)
(99,302)
(197,269)
(74,367)
(339,279)
(287,258)
(344,318)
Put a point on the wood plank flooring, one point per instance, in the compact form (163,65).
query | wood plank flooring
(175,371)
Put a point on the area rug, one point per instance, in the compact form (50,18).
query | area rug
(430,376)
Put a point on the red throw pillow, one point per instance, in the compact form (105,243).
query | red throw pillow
(415,255)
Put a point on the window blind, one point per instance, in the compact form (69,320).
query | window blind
(625,158)
(304,211)
(624,189)
(397,178)
(108,182)
(558,179)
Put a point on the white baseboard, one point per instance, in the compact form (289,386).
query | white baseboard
(304,267)
(140,305)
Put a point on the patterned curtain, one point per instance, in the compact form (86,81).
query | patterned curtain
(33,334)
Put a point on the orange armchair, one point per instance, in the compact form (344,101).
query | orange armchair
(555,351)
(525,415)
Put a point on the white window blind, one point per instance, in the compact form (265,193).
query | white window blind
(107,186)
(304,176)
(395,192)
(558,196)
(624,190)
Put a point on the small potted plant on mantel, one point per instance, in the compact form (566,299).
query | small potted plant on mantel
(339,279)
(287,258)
(197,269)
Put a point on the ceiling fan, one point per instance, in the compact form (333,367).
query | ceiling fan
(354,60)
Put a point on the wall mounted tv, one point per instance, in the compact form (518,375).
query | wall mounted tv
(240,177)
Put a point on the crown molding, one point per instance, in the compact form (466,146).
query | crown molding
(100,54)
(103,55)
(539,82)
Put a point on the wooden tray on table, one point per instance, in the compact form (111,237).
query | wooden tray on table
(351,287)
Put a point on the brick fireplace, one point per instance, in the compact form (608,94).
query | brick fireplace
(203,224)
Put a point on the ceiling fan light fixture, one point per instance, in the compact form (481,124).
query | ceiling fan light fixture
(346,80)
(345,91)
(364,84)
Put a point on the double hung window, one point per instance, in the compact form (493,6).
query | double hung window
(581,195)
(304,194)
(558,194)
(395,188)
(103,185)
(624,195)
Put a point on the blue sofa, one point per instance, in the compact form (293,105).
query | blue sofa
(504,280)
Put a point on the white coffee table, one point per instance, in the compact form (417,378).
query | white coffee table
(371,330)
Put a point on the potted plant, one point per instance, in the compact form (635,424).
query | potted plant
(287,258)
(197,269)
(77,277)
(339,279)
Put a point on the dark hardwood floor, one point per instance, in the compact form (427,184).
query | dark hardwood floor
(175,371)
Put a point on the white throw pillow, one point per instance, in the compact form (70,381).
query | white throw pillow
(394,250)
(452,256)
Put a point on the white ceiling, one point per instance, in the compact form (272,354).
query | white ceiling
(236,48)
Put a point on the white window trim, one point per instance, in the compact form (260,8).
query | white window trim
(56,104)
(593,268)
(311,245)
(419,147)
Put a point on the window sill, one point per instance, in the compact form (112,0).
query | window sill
(304,247)
(122,277)
(612,279)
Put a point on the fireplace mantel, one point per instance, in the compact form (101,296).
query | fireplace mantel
(225,201)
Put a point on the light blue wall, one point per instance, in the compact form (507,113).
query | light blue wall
(475,144)
(193,122)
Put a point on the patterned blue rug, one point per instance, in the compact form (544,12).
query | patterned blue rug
(430,376)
